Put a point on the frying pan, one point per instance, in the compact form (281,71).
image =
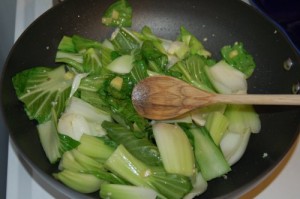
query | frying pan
(216,23)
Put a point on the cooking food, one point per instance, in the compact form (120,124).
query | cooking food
(87,122)
(214,27)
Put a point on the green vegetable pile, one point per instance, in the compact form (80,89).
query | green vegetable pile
(87,123)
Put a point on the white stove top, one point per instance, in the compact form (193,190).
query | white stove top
(282,183)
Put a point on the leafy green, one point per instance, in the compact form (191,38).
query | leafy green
(114,191)
(85,55)
(175,159)
(81,118)
(172,186)
(50,141)
(210,158)
(217,125)
(118,14)
(226,79)
(192,71)
(94,99)
(41,89)
(239,58)
(81,44)
(125,165)
(81,182)
(67,143)
(92,61)
(241,118)
(124,41)
(54,143)
(157,61)
(66,44)
(141,148)
(124,112)
(74,60)
(86,117)
(121,65)
(121,107)
(76,161)
(146,34)
(139,71)
(99,148)
(95,82)
(196,47)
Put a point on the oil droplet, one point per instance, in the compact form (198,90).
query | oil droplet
(296,88)
(287,65)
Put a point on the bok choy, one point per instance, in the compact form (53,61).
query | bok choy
(87,124)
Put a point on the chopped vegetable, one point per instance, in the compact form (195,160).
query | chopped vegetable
(114,191)
(81,182)
(99,148)
(217,125)
(86,119)
(80,117)
(193,43)
(192,70)
(136,172)
(209,157)
(233,145)
(239,58)
(124,41)
(41,89)
(179,160)
(226,79)
(118,14)
(199,186)
(141,148)
(121,65)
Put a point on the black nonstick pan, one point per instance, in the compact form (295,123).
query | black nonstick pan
(216,23)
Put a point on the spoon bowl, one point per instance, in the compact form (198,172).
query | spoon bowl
(165,97)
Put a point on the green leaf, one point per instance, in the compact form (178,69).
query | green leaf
(95,82)
(139,71)
(66,143)
(217,125)
(41,89)
(209,157)
(115,191)
(124,164)
(194,44)
(157,60)
(192,71)
(92,61)
(82,44)
(50,141)
(126,114)
(226,79)
(175,159)
(99,148)
(95,99)
(239,58)
(141,148)
(125,41)
(100,52)
(80,118)
(121,65)
(66,44)
(172,186)
(118,14)
(81,182)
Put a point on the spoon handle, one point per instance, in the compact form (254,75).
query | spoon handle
(270,99)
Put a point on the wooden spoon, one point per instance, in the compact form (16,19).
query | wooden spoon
(164,97)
